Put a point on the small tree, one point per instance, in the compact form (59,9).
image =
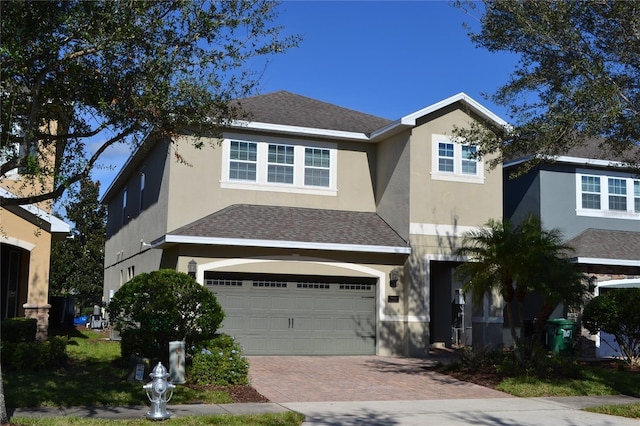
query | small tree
(163,306)
(517,260)
(77,263)
(616,312)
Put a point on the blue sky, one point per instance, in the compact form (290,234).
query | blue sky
(386,58)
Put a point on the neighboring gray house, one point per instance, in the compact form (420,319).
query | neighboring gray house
(593,200)
(321,230)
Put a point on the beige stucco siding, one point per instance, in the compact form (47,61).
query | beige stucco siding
(36,241)
(443,208)
(392,182)
(199,183)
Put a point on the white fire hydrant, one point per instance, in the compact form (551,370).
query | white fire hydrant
(157,391)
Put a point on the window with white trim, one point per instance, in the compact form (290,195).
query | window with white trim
(270,165)
(591,192)
(608,196)
(317,167)
(243,158)
(617,194)
(280,164)
(455,161)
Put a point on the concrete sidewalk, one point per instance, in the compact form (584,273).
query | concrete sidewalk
(564,411)
(493,411)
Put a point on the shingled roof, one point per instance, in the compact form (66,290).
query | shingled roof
(292,224)
(286,108)
(590,149)
(607,244)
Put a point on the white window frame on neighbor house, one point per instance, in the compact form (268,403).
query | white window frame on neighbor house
(455,156)
(612,188)
(282,166)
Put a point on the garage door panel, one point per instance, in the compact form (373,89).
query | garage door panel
(280,318)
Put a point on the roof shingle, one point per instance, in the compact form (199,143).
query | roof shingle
(606,244)
(286,108)
(277,223)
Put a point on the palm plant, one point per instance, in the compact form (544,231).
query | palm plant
(493,264)
(516,261)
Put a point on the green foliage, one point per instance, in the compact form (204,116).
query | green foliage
(138,342)
(18,329)
(516,260)
(616,312)
(77,264)
(34,355)
(78,74)
(164,306)
(576,78)
(219,361)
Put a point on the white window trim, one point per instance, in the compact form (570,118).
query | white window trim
(262,184)
(457,175)
(604,210)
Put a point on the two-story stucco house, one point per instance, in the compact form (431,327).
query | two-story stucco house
(321,230)
(594,200)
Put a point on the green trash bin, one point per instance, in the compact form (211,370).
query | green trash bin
(561,333)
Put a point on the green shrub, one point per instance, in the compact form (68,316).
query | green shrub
(136,342)
(616,312)
(33,356)
(18,329)
(164,306)
(219,362)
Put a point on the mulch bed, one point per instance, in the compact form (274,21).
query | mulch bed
(238,393)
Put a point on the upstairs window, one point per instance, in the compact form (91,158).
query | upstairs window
(617,194)
(445,157)
(608,196)
(455,161)
(590,192)
(124,206)
(317,167)
(243,160)
(469,161)
(270,165)
(281,161)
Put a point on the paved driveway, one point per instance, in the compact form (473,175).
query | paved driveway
(356,378)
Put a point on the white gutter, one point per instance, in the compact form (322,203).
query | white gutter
(298,130)
(605,261)
(185,239)
(569,160)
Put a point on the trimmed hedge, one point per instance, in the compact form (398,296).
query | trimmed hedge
(18,329)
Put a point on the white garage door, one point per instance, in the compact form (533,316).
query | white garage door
(289,316)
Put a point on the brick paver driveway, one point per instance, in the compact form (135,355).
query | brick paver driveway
(356,378)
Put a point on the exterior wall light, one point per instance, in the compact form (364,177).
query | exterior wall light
(192,268)
(393,277)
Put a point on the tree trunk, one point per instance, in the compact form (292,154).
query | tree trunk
(4,418)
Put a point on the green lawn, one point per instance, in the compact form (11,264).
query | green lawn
(95,376)
(592,381)
(278,419)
